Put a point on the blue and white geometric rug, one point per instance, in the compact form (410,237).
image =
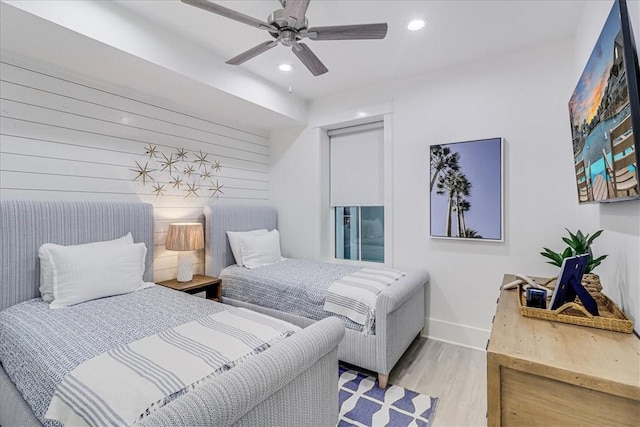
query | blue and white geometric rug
(363,403)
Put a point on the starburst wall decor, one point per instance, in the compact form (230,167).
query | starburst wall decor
(179,172)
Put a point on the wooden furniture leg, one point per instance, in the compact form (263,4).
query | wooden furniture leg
(383,380)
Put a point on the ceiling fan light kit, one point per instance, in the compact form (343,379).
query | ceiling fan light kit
(288,26)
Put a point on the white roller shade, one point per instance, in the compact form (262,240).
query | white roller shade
(357,164)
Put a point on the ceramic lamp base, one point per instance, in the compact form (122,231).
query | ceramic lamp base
(185,266)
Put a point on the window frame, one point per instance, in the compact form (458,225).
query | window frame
(328,248)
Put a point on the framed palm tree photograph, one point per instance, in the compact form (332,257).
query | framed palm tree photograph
(466,190)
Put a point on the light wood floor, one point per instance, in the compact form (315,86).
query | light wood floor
(457,375)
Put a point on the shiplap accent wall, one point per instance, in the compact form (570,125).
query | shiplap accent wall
(63,137)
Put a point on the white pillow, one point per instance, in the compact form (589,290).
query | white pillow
(86,272)
(46,269)
(259,250)
(234,242)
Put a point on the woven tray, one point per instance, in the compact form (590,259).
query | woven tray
(610,316)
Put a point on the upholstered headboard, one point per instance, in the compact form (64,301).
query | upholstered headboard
(25,225)
(222,218)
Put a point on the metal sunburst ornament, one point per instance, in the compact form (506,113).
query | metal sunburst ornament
(192,190)
(181,154)
(216,188)
(189,170)
(143,172)
(151,151)
(216,166)
(159,189)
(201,158)
(168,163)
(206,174)
(176,181)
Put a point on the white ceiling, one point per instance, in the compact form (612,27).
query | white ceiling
(176,52)
(457,31)
(143,63)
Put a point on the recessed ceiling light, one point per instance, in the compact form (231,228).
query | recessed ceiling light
(416,24)
(285,67)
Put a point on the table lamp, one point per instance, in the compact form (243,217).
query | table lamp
(185,237)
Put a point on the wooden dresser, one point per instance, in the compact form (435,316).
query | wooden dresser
(543,373)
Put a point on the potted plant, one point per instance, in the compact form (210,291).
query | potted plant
(578,244)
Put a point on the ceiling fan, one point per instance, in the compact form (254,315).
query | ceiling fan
(288,26)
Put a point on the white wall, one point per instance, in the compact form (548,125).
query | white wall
(620,273)
(66,137)
(113,25)
(521,97)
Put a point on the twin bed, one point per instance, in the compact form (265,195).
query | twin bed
(293,290)
(289,381)
(292,381)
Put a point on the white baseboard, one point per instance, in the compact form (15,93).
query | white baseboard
(453,333)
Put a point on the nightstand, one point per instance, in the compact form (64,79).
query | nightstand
(211,285)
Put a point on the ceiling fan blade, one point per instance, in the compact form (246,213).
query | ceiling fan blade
(229,13)
(296,9)
(251,53)
(347,32)
(309,59)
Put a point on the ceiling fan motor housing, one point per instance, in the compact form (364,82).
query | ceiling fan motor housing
(281,21)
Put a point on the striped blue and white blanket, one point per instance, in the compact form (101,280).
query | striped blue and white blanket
(294,286)
(121,385)
(355,295)
(39,346)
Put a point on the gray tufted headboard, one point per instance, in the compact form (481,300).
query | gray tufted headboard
(222,218)
(25,225)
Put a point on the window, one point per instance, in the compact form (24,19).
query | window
(357,192)
(359,233)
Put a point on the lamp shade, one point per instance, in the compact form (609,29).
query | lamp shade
(185,236)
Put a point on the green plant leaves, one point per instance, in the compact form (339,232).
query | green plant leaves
(556,259)
(594,263)
(577,244)
(573,236)
(572,243)
(596,234)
